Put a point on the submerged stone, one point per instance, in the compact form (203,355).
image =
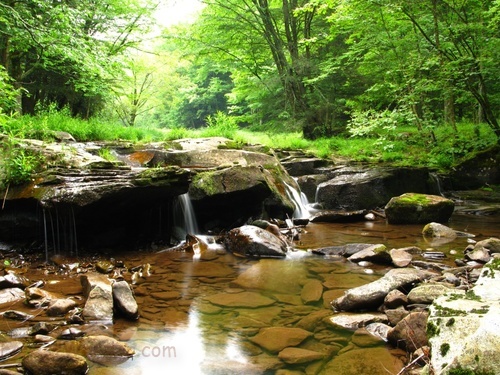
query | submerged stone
(297,355)
(45,362)
(275,339)
(243,299)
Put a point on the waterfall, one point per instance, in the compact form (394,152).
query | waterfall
(437,182)
(187,215)
(59,226)
(299,200)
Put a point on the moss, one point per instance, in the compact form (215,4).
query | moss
(450,322)
(444,349)
(414,199)
(432,329)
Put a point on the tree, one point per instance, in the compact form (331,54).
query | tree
(65,52)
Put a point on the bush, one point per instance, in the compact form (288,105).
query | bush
(220,125)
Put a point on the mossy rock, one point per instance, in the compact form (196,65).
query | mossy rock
(412,208)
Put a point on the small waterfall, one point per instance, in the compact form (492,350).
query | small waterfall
(60,229)
(300,201)
(184,216)
(436,182)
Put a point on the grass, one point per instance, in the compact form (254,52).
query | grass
(407,147)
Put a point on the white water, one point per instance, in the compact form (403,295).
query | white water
(187,211)
(300,202)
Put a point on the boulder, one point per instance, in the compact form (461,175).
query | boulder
(342,250)
(358,188)
(427,293)
(337,216)
(394,299)
(464,329)
(12,280)
(9,349)
(411,332)
(45,362)
(400,257)
(124,301)
(98,292)
(60,307)
(255,242)
(372,295)
(412,208)
(10,295)
(482,250)
(375,253)
(105,350)
(354,321)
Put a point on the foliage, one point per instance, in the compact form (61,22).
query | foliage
(18,163)
(220,125)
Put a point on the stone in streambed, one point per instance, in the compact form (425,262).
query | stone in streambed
(243,299)
(400,257)
(99,305)
(252,241)
(124,300)
(294,356)
(275,339)
(11,295)
(375,253)
(60,307)
(413,208)
(45,362)
(311,292)
(9,348)
(106,350)
(411,332)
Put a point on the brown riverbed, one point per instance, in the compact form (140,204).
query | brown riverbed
(183,329)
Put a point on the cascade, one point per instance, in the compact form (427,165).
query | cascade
(60,228)
(300,201)
(184,215)
(437,182)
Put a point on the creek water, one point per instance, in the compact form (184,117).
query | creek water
(196,316)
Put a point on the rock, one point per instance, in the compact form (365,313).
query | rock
(365,339)
(99,305)
(312,320)
(375,253)
(355,321)
(106,350)
(294,356)
(396,315)
(37,297)
(464,331)
(124,300)
(11,295)
(394,299)
(411,332)
(9,349)
(302,165)
(243,299)
(343,250)
(337,216)
(412,208)
(437,230)
(60,307)
(104,266)
(282,280)
(17,315)
(44,362)
(252,241)
(373,294)
(361,361)
(427,293)
(41,328)
(275,339)
(358,188)
(71,333)
(12,280)
(379,330)
(312,292)
(400,257)
(482,251)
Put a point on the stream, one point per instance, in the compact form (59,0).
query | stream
(201,314)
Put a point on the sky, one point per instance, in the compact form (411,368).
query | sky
(171,12)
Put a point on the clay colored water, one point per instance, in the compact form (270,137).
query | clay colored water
(215,313)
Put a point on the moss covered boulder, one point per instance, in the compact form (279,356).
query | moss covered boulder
(412,208)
